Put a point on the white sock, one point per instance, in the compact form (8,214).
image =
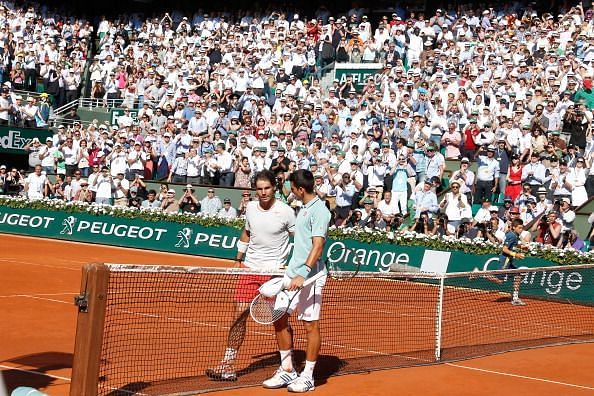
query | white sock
(287,360)
(230,355)
(308,369)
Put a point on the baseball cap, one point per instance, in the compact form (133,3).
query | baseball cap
(227,200)
(171,191)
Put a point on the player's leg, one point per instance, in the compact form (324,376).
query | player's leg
(310,306)
(237,331)
(285,374)
(245,290)
(516,291)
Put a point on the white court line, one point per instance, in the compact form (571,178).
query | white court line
(519,376)
(39,295)
(35,372)
(47,299)
(10,261)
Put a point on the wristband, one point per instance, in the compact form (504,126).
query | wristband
(303,271)
(242,247)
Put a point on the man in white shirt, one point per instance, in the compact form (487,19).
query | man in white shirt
(136,161)
(455,204)
(46,155)
(227,211)
(36,184)
(5,106)
(263,245)
(224,166)
(211,204)
(121,190)
(388,207)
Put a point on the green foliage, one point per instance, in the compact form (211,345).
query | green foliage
(365,235)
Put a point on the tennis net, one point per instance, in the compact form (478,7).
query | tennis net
(155,330)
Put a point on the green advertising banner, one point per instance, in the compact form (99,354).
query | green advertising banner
(360,72)
(220,242)
(14,139)
(116,113)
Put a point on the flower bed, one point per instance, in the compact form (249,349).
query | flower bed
(475,246)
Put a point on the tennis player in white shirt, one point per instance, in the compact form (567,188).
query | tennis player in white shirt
(263,246)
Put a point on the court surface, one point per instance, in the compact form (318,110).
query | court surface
(40,278)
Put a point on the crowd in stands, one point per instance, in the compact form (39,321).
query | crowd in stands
(219,97)
(40,51)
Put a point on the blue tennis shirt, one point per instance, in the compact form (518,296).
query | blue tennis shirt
(312,221)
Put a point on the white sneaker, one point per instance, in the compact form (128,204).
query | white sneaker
(280,379)
(301,385)
(517,302)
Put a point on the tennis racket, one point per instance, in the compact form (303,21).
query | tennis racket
(273,301)
(342,263)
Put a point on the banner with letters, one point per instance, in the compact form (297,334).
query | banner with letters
(220,242)
(14,139)
(359,71)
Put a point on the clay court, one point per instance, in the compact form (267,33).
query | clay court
(41,277)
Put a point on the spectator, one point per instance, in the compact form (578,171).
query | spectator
(121,187)
(151,201)
(487,174)
(84,194)
(211,204)
(388,208)
(425,201)
(455,205)
(169,203)
(3,176)
(36,184)
(104,186)
(227,211)
(188,202)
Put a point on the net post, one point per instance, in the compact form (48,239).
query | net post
(91,303)
(439,318)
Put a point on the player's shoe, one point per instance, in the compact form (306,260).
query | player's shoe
(280,379)
(475,273)
(224,372)
(518,302)
(301,385)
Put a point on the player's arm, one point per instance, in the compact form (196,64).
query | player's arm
(511,253)
(242,246)
(302,271)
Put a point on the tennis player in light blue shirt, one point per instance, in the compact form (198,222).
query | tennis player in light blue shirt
(311,228)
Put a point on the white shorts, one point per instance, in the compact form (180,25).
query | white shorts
(309,301)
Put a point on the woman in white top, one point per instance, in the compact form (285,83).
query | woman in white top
(577,179)
(83,159)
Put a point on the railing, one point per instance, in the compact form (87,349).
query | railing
(324,70)
(64,109)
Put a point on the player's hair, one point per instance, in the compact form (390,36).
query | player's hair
(266,175)
(303,178)
(516,222)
